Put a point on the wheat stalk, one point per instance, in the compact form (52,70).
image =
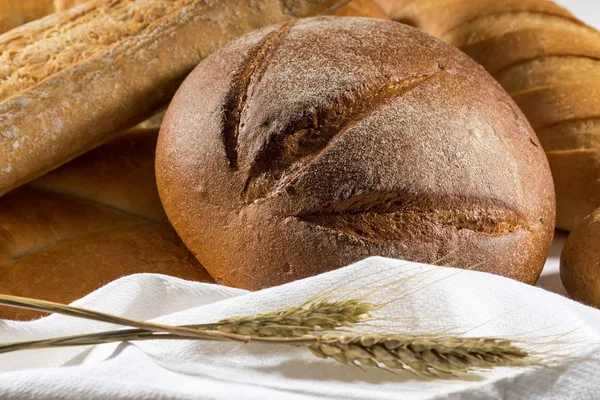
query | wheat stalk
(423,356)
(293,321)
(57,308)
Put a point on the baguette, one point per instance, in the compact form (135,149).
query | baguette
(68,233)
(65,79)
(549,62)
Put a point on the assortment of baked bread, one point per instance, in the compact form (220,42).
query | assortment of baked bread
(297,145)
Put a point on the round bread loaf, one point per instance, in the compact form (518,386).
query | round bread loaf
(304,147)
(580,261)
(88,223)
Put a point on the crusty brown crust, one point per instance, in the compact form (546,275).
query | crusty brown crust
(548,61)
(362,8)
(87,223)
(580,261)
(304,147)
(64,79)
(14,13)
(62,5)
(18,12)
(119,174)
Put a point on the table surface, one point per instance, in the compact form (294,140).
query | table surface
(589,12)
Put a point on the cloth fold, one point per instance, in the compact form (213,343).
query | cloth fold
(421,299)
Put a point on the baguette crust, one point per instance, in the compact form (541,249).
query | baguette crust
(548,61)
(18,12)
(66,77)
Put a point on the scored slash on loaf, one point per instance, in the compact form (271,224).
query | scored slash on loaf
(73,80)
(549,62)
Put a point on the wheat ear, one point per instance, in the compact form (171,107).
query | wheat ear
(428,357)
(299,321)
(423,356)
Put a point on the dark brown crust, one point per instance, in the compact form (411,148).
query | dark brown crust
(361,138)
(378,216)
(517,41)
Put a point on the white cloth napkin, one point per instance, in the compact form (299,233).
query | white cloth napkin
(427,299)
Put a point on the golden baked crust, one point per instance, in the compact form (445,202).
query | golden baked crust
(14,13)
(87,223)
(75,71)
(62,5)
(119,174)
(580,261)
(18,12)
(548,61)
(362,8)
(305,147)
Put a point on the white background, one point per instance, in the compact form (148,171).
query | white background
(587,10)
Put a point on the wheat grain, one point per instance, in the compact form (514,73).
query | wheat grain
(423,356)
(298,321)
